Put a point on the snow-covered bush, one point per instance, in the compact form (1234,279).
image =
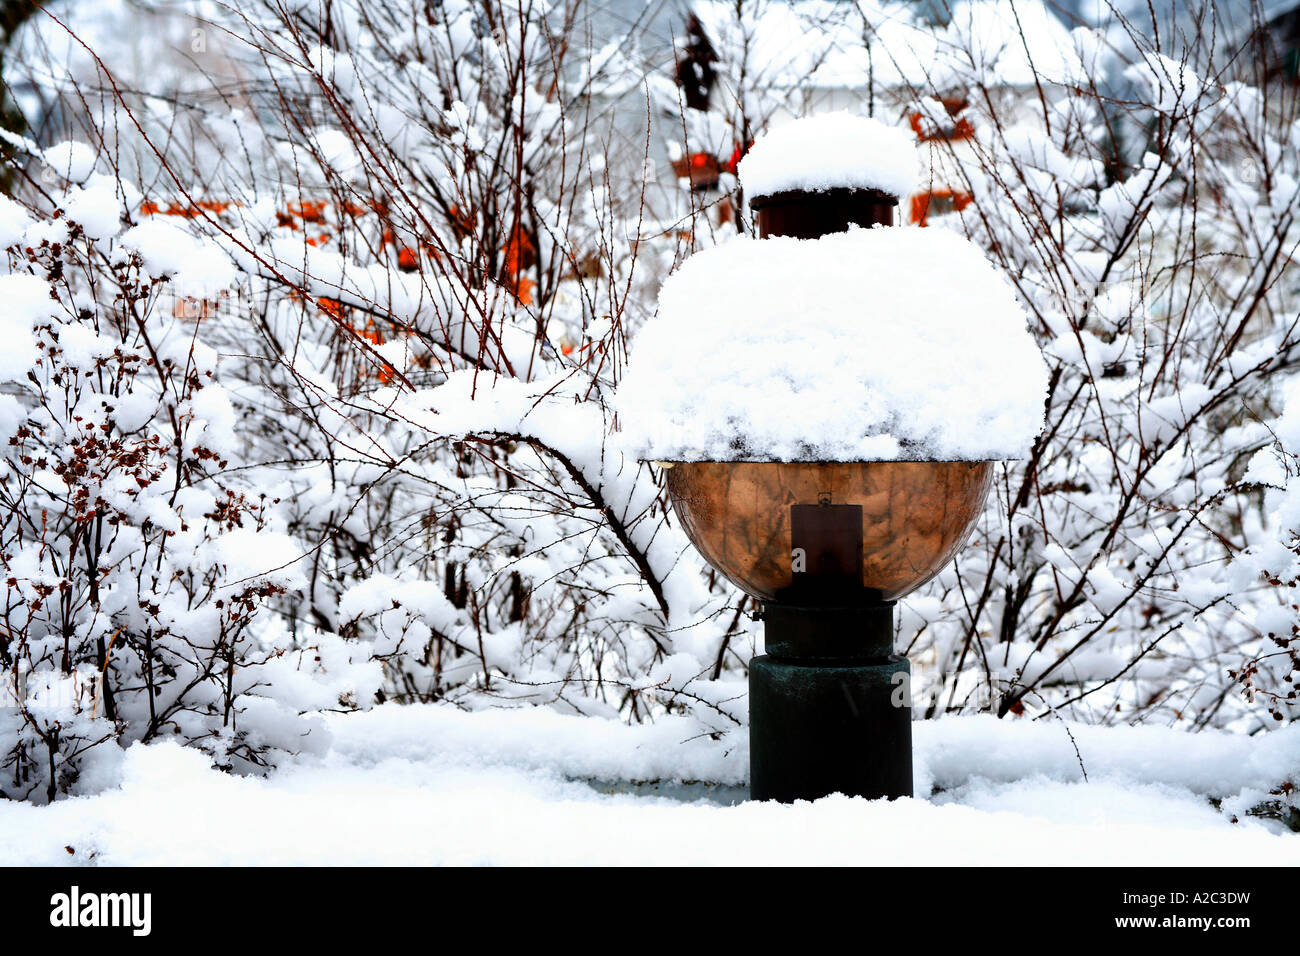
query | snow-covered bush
(1156,276)
(1268,666)
(136,560)
(469,510)
(439,251)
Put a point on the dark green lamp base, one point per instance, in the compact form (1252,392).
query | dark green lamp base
(829,706)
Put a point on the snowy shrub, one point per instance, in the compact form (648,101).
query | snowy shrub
(1268,667)
(1153,274)
(470,514)
(136,562)
(435,222)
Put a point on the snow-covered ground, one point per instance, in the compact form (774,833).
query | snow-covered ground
(416,785)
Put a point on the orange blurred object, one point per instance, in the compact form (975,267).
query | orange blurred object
(938,201)
(519,255)
(308,211)
(192,211)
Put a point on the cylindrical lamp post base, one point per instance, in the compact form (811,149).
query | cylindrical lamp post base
(817,729)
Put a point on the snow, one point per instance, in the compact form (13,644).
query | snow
(214,426)
(336,150)
(14,222)
(1017,41)
(533,787)
(197,267)
(1210,763)
(830,151)
(72,160)
(27,301)
(96,206)
(257,556)
(12,416)
(868,345)
(538,739)
(1170,83)
(1287,427)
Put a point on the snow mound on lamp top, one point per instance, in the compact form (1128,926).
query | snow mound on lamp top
(870,345)
(830,151)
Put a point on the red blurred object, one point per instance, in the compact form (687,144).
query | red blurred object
(702,169)
(737,154)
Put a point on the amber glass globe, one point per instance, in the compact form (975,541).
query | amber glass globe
(914,514)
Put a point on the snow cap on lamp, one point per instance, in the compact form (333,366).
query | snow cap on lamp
(868,345)
(831,151)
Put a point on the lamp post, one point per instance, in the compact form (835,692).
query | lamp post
(828,544)
(827,547)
